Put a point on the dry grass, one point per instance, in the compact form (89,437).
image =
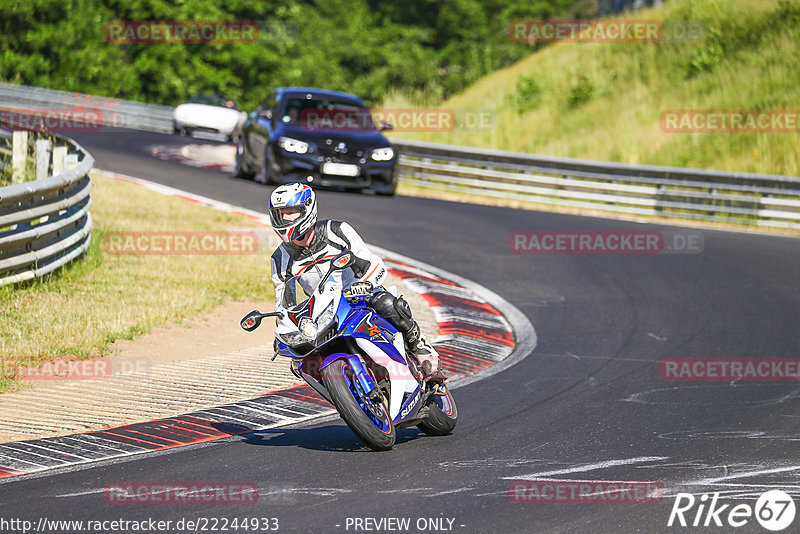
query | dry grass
(77,312)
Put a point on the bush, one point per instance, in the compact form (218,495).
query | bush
(581,92)
(526,95)
(708,55)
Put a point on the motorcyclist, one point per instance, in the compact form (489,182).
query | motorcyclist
(307,241)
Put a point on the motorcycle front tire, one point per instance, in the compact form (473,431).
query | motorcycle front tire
(337,379)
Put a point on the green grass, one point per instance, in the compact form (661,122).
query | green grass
(77,312)
(603,101)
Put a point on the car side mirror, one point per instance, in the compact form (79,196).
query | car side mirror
(265,114)
(386,127)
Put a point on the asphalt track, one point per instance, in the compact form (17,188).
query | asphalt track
(588,403)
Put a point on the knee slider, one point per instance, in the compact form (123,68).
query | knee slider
(403,309)
(383,303)
(396,311)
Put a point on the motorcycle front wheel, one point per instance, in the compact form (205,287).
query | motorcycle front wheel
(369,420)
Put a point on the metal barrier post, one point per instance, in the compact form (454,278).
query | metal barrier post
(42,158)
(19,158)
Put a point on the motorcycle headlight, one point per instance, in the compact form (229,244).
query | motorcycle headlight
(308,328)
(382,154)
(326,316)
(293,338)
(293,145)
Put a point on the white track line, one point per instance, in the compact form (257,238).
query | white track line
(587,467)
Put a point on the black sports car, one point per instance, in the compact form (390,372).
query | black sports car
(317,137)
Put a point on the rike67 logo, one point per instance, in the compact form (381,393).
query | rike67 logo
(774,510)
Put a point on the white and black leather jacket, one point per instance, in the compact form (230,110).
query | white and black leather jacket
(330,239)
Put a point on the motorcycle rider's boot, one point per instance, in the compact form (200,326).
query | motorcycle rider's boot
(425,354)
(436,376)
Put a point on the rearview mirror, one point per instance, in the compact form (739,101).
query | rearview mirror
(343,260)
(252,320)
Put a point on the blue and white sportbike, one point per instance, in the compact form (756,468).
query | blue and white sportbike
(353,357)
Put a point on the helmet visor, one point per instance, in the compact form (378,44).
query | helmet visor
(286,216)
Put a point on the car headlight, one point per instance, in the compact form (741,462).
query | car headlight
(382,154)
(293,145)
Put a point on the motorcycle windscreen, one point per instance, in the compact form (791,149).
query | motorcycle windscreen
(301,287)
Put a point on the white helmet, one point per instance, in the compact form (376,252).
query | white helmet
(292,211)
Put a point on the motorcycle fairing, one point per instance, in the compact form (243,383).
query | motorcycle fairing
(378,339)
(401,379)
(363,323)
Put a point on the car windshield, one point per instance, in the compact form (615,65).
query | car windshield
(327,114)
(299,288)
(214,100)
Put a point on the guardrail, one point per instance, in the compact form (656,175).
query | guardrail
(109,111)
(46,223)
(757,199)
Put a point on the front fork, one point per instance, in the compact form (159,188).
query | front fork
(364,381)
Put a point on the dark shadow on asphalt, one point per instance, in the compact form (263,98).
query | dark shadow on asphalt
(332,438)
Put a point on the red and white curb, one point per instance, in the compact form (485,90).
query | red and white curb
(480,334)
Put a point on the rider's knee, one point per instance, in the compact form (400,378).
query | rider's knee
(395,310)
(402,307)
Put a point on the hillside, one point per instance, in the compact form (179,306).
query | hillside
(604,100)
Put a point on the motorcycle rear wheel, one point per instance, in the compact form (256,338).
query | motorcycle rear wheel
(339,380)
(442,417)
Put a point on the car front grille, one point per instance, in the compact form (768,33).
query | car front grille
(351,156)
